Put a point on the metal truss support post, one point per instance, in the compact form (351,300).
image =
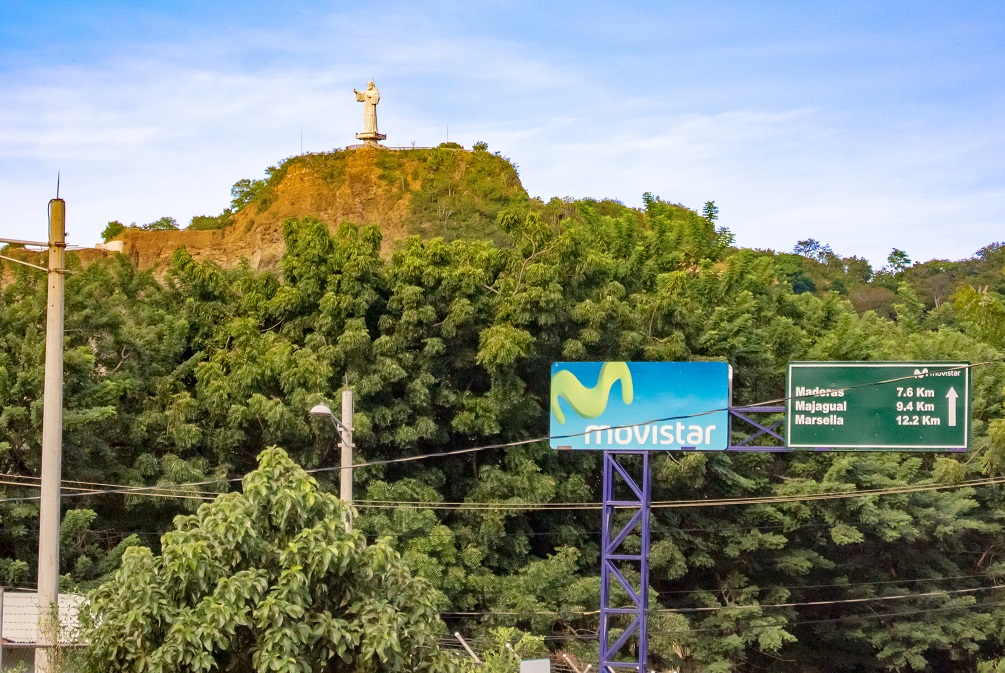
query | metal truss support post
(624,559)
(625,619)
(769,432)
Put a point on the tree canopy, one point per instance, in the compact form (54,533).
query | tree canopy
(448,345)
(270,580)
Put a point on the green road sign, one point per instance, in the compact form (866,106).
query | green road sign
(882,406)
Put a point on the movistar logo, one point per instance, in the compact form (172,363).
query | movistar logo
(590,402)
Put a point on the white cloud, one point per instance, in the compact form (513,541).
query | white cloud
(168,131)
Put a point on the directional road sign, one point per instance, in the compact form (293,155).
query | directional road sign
(884,406)
(656,406)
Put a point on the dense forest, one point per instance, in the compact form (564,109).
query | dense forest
(181,381)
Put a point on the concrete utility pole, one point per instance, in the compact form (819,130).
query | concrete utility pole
(1,628)
(52,447)
(344,428)
(52,437)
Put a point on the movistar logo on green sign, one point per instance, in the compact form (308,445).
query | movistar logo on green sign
(640,405)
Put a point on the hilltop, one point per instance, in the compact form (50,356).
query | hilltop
(443,191)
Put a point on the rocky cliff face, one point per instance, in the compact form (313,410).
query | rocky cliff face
(444,191)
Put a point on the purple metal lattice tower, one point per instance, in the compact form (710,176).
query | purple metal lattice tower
(629,623)
(616,557)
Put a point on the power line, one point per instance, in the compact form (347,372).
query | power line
(567,506)
(649,422)
(77,491)
(849,584)
(675,504)
(179,488)
(119,488)
(564,506)
(797,622)
(719,608)
(844,585)
(746,628)
(182,491)
(869,599)
(786,528)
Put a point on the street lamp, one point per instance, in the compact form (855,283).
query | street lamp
(324,410)
(344,427)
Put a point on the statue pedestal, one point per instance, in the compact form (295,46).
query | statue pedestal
(370,138)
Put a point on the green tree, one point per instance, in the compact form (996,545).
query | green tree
(244,192)
(898,260)
(121,347)
(163,224)
(265,580)
(983,314)
(113,229)
(813,249)
(448,344)
(208,222)
(509,646)
(710,211)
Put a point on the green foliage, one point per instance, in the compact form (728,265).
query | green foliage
(260,192)
(122,347)
(710,211)
(443,191)
(457,194)
(681,237)
(207,222)
(163,224)
(813,249)
(84,550)
(508,646)
(898,260)
(265,580)
(448,344)
(244,192)
(982,313)
(113,229)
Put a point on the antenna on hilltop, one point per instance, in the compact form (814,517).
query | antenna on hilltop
(57,184)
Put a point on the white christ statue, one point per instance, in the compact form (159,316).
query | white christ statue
(369,98)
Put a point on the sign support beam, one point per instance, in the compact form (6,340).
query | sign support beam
(857,406)
(630,647)
(625,622)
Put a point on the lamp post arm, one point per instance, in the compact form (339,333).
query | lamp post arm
(344,428)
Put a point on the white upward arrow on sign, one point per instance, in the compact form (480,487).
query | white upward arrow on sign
(951,396)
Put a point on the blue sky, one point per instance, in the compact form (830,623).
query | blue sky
(864,125)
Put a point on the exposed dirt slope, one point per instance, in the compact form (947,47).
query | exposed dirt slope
(432,192)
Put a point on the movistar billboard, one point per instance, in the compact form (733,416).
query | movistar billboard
(660,406)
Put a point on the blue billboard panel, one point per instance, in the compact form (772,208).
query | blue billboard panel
(659,406)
